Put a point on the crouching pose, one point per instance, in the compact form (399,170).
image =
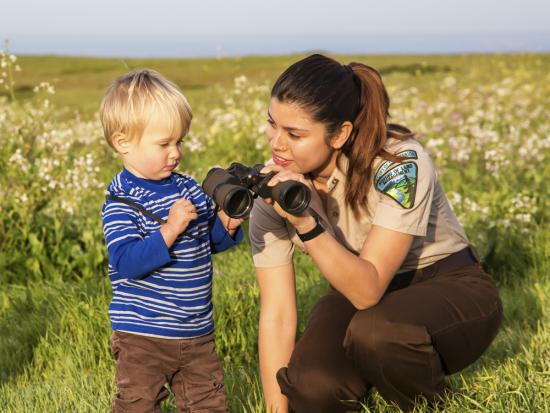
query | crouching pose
(408,301)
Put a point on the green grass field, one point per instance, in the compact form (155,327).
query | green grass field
(484,119)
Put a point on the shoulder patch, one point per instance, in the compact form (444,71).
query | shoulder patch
(398,180)
(409,154)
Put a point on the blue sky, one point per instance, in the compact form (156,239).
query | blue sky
(110,27)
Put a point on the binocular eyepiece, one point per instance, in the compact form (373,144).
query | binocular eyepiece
(234,189)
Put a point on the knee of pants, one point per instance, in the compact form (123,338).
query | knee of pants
(135,403)
(371,336)
(364,334)
(314,391)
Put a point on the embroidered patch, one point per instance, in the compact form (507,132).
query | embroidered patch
(409,154)
(399,182)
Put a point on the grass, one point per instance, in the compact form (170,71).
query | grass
(54,329)
(54,341)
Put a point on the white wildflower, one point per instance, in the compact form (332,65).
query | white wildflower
(449,81)
(495,161)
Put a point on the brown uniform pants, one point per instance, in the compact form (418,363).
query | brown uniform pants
(144,365)
(431,322)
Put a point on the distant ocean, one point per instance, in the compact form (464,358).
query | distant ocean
(241,45)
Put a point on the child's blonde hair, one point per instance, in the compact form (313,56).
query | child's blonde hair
(131,100)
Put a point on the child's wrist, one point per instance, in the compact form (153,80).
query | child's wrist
(169,232)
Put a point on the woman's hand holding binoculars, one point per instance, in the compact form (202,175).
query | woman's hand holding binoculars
(304,221)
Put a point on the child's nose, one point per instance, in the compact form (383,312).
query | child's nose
(175,153)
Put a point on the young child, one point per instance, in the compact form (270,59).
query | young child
(161,230)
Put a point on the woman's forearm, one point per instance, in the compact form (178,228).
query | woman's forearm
(362,278)
(355,277)
(276,342)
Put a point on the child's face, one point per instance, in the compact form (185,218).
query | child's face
(157,153)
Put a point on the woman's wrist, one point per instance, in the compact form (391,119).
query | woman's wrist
(305,225)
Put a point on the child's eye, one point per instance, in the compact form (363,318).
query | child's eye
(293,136)
(179,142)
(164,145)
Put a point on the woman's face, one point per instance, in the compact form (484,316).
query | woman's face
(298,142)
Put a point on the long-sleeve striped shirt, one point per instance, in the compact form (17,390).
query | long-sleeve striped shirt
(159,291)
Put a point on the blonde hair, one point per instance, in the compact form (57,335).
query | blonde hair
(133,98)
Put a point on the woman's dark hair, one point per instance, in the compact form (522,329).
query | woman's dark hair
(333,93)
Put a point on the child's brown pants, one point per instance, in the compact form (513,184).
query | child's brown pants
(144,365)
(431,322)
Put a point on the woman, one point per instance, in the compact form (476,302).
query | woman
(409,301)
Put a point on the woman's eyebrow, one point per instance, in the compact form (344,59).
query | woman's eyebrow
(288,128)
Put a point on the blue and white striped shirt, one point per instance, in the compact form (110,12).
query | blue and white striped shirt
(158,291)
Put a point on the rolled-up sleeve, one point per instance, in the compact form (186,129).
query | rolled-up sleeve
(406,193)
(271,244)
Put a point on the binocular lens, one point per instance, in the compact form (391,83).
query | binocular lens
(236,201)
(293,196)
(227,192)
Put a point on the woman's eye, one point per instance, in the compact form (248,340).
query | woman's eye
(270,121)
(293,136)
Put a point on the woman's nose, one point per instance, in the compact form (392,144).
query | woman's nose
(278,141)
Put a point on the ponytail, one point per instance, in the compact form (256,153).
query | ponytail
(369,136)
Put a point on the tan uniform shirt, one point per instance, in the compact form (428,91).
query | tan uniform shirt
(404,197)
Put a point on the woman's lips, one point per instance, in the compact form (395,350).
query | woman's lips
(280,161)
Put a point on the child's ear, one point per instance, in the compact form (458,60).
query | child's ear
(342,136)
(121,143)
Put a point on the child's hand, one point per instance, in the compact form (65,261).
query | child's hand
(181,213)
(230,224)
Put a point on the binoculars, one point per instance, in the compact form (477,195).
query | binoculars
(234,189)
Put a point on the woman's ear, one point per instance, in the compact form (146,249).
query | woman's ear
(121,143)
(342,136)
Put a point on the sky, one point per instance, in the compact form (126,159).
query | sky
(164,27)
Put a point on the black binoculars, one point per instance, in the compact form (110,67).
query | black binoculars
(234,189)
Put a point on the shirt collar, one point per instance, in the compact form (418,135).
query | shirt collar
(166,185)
(338,175)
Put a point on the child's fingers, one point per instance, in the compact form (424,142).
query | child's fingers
(183,202)
(189,207)
(191,216)
(184,205)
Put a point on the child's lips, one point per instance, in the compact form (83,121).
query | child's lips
(171,167)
